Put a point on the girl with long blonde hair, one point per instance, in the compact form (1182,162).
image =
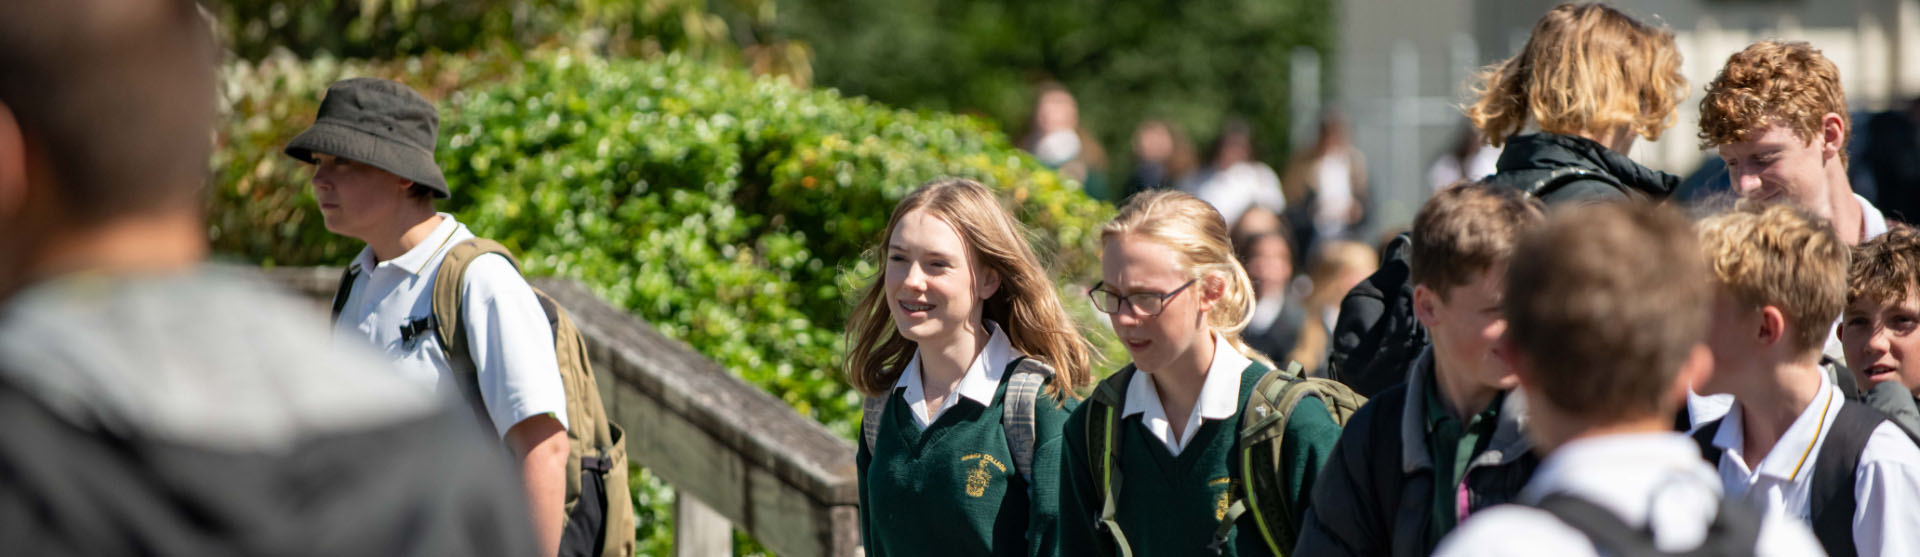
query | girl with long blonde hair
(1178,300)
(962,321)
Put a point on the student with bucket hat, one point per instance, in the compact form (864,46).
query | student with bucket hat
(375,178)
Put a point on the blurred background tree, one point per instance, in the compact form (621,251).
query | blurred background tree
(1189,61)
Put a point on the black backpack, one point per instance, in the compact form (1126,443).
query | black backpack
(1377,335)
(1735,529)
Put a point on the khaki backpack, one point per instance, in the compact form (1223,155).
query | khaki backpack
(594,442)
(1263,424)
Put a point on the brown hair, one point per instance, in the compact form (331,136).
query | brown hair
(1613,295)
(119,97)
(1781,256)
(1886,269)
(1587,68)
(1466,230)
(1789,82)
(1198,234)
(1026,304)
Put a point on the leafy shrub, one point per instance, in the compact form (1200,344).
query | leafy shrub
(729,211)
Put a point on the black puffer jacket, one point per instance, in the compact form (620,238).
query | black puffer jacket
(1566,168)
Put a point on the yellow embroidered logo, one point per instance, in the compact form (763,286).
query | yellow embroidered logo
(1220,502)
(979,478)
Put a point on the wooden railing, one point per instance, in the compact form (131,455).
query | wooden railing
(736,456)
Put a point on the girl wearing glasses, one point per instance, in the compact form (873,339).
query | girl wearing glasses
(1165,425)
(941,344)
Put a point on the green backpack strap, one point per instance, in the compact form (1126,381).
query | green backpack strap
(1103,442)
(1263,425)
(1017,412)
(449,290)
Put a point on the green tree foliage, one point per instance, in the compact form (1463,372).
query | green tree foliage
(388,29)
(1190,60)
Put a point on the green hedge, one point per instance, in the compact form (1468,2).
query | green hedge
(731,212)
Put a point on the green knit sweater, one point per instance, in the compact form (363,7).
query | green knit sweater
(953,490)
(1171,505)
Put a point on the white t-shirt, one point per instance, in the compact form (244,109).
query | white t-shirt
(1654,480)
(1886,520)
(1219,397)
(507,331)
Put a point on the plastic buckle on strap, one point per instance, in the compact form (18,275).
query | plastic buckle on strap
(1218,545)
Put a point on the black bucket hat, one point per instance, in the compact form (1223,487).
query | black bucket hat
(379,123)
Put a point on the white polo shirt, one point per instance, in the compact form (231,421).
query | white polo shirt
(1886,486)
(1654,480)
(1219,397)
(507,331)
(979,384)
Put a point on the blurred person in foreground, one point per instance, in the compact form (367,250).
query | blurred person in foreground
(159,406)
(1605,331)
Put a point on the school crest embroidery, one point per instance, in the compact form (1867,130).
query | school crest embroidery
(979,477)
(1220,502)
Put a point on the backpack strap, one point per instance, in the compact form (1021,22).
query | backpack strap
(1842,377)
(1703,436)
(344,289)
(871,411)
(1017,410)
(1735,529)
(1564,176)
(1600,525)
(449,303)
(1264,418)
(1103,440)
(1830,497)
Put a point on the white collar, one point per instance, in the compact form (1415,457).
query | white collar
(415,260)
(980,383)
(1784,461)
(1219,396)
(1871,220)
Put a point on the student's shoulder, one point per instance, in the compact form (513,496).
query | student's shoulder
(1890,451)
(493,274)
(1515,530)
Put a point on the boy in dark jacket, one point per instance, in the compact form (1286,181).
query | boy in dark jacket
(1449,441)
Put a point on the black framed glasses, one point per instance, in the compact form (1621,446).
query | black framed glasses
(1145,304)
